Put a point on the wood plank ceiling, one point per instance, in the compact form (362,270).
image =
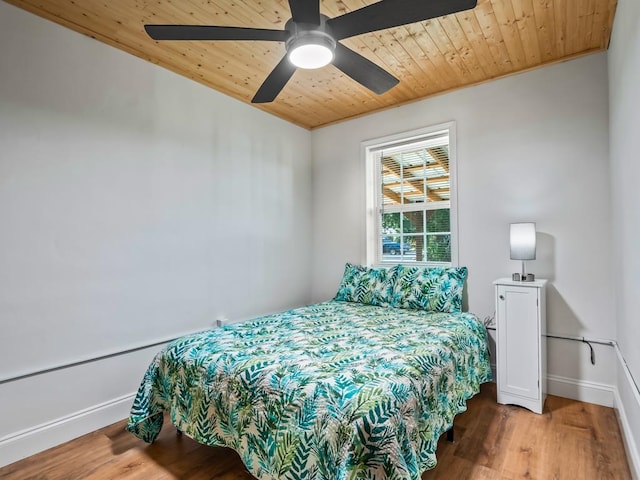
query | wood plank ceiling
(497,38)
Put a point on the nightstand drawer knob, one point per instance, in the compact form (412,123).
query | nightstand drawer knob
(501,297)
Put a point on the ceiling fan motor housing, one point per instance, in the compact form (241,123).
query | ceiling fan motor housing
(304,34)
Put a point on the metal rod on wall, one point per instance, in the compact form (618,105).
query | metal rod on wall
(83,361)
(609,343)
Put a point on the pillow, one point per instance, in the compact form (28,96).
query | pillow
(431,289)
(371,286)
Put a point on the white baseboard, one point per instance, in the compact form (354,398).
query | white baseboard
(19,445)
(627,436)
(591,392)
(627,385)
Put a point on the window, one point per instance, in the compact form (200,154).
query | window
(411,214)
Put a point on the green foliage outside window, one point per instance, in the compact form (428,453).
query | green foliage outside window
(438,248)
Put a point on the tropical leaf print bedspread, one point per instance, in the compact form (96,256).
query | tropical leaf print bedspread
(331,391)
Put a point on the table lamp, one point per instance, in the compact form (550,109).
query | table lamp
(522,240)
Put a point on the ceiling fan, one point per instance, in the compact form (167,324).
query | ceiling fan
(312,40)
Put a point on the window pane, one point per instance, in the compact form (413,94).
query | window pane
(438,173)
(396,249)
(438,248)
(392,246)
(413,246)
(391,181)
(413,222)
(390,223)
(438,220)
(412,176)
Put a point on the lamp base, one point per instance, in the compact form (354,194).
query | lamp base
(526,277)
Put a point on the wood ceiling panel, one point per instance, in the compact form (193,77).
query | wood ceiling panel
(497,38)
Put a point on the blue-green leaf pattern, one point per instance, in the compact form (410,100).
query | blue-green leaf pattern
(332,391)
(371,286)
(431,289)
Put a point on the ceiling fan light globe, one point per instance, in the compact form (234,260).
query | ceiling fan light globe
(311,55)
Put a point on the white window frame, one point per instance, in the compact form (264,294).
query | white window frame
(373,182)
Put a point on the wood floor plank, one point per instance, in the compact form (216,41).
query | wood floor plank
(569,440)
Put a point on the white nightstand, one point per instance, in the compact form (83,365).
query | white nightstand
(521,344)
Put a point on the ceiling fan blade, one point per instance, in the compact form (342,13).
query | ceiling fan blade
(393,13)
(363,71)
(275,82)
(305,11)
(205,32)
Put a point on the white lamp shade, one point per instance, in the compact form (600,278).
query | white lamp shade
(523,241)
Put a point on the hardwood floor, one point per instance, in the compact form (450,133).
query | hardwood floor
(570,440)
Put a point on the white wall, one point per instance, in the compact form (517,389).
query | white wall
(134,205)
(624,100)
(531,147)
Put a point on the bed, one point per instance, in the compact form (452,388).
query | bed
(360,387)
